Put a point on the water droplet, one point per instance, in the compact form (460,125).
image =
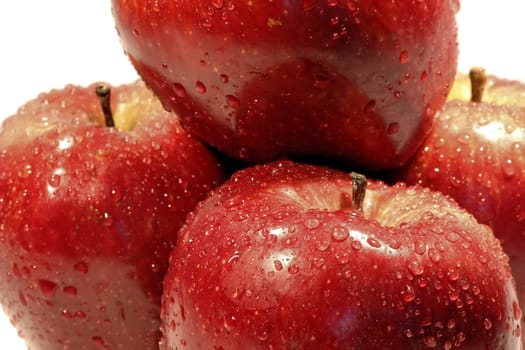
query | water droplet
(356,245)
(451,324)
(182,313)
(98,341)
(464,284)
(403,57)
(420,247)
(487,324)
(508,168)
(394,244)
(453,295)
(392,128)
(452,237)
(408,294)
(453,275)
(374,243)
(340,234)
(81,267)
(107,220)
(80,314)
(218,4)
(244,153)
(342,257)
(415,268)
(90,166)
(516,310)
(201,88)
(233,101)
(26,171)
(16,271)
(70,290)
(434,255)
(312,223)
(179,90)
(224,78)
(230,322)
(54,180)
(48,288)
(430,341)
(464,138)
(263,335)
(475,290)
(321,244)
(321,81)
(293,269)
(370,106)
(350,5)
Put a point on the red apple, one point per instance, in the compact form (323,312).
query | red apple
(90,214)
(291,256)
(476,154)
(262,80)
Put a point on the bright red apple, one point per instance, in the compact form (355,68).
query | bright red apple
(262,80)
(90,214)
(476,154)
(291,256)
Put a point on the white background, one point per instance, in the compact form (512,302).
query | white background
(48,44)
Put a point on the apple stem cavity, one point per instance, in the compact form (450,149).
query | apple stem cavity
(104,96)
(358,190)
(478,81)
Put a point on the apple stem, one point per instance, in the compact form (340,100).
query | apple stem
(358,190)
(104,96)
(478,81)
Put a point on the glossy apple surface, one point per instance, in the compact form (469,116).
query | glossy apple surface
(279,257)
(90,214)
(476,154)
(262,80)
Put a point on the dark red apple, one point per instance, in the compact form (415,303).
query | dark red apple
(90,214)
(291,256)
(476,154)
(263,80)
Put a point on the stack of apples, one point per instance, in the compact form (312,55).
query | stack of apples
(285,175)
